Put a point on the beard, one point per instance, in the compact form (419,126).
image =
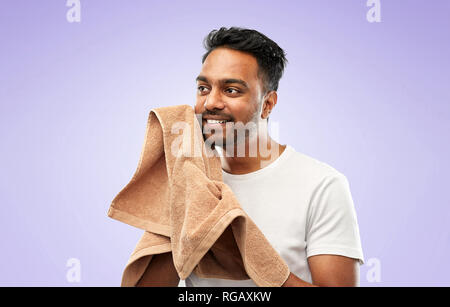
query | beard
(235,137)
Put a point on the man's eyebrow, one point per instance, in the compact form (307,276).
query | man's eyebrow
(201,78)
(225,81)
(241,82)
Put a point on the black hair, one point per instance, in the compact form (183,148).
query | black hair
(270,57)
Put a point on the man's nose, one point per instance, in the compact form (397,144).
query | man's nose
(214,100)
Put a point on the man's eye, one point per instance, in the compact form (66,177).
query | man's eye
(232,91)
(202,89)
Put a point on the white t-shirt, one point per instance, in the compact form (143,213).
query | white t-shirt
(303,206)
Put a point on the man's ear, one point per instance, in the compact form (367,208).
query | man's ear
(269,103)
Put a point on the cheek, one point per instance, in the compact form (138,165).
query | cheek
(251,105)
(199,104)
(241,111)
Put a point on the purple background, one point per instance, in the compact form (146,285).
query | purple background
(370,99)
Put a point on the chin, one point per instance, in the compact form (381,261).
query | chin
(218,141)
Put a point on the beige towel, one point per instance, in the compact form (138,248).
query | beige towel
(178,197)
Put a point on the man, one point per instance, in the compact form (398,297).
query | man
(303,206)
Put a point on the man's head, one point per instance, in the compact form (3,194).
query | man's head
(239,78)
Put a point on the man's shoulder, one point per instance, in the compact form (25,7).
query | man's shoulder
(307,166)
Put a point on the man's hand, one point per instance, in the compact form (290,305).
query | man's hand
(328,271)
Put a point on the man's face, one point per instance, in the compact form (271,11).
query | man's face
(228,88)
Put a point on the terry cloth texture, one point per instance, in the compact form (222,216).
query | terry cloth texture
(178,197)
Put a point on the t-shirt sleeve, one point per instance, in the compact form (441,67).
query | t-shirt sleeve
(332,226)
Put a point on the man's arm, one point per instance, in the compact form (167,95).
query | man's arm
(328,271)
(160,272)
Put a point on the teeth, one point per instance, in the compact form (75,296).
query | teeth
(213,121)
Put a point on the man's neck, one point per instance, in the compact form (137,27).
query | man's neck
(266,151)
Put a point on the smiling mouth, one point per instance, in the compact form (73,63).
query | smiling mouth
(215,121)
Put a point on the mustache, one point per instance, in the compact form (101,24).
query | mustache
(225,116)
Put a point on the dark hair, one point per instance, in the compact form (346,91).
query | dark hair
(270,57)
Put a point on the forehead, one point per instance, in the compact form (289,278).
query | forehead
(229,63)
